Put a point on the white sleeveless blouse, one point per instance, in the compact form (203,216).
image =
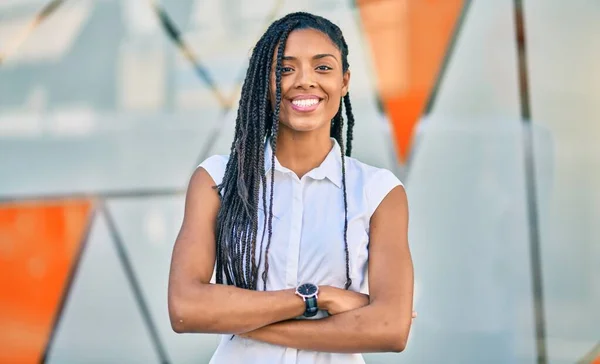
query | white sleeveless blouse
(307,244)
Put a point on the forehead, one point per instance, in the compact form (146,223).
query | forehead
(309,42)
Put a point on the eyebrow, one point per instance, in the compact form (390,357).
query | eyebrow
(317,56)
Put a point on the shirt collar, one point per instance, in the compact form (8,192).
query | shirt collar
(331,168)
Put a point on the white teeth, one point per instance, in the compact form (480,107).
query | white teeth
(305,103)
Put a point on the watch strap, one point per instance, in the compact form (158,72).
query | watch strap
(311,306)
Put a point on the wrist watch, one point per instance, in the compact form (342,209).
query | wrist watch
(308,292)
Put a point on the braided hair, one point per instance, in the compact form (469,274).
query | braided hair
(256,122)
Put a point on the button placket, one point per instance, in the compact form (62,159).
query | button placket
(293,256)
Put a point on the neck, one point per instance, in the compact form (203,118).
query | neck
(301,152)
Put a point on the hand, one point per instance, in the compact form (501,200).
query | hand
(337,300)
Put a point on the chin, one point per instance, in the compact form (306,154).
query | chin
(300,126)
(303,128)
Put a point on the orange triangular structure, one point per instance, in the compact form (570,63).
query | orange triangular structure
(40,244)
(409,40)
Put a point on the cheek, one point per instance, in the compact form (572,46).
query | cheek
(334,91)
(334,88)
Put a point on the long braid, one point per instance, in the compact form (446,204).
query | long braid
(264,61)
(263,55)
(275,129)
(337,133)
(232,235)
(266,129)
(349,136)
(350,128)
(246,266)
(348,279)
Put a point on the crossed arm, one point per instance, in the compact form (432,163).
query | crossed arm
(380,323)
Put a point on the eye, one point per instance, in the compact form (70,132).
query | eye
(324,68)
(286,69)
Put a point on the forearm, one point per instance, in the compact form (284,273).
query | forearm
(362,330)
(216,308)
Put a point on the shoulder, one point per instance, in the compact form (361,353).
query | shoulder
(376,182)
(201,192)
(370,176)
(215,166)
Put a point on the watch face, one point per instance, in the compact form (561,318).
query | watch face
(307,289)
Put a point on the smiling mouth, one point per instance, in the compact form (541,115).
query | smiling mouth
(305,105)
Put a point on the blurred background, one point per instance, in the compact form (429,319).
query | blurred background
(488,110)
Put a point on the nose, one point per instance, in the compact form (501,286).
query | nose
(304,78)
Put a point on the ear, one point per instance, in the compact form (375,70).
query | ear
(345,83)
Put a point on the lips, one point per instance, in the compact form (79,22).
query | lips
(305,103)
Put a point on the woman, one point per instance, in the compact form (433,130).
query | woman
(314,267)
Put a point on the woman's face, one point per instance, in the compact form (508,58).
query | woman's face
(312,81)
